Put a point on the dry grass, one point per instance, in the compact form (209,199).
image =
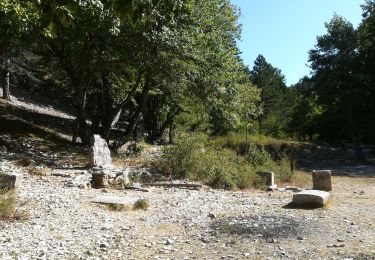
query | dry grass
(118,207)
(141,204)
(38,170)
(9,207)
(300,179)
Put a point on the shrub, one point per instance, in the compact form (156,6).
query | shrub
(194,157)
(141,204)
(8,210)
(197,158)
(257,156)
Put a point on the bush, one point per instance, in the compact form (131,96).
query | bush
(257,156)
(141,204)
(197,158)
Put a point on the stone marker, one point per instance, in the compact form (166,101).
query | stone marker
(311,198)
(10,181)
(269,178)
(322,180)
(100,155)
(124,201)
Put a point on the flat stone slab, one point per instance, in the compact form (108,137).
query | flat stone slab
(311,198)
(126,201)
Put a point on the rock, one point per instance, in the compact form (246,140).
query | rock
(125,201)
(100,155)
(103,178)
(311,198)
(322,180)
(99,180)
(169,242)
(272,187)
(81,181)
(10,181)
(292,188)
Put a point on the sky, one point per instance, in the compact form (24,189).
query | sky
(283,31)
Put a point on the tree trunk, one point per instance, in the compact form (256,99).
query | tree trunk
(6,80)
(170,134)
(83,129)
(113,115)
(136,116)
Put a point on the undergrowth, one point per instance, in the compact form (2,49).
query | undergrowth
(198,158)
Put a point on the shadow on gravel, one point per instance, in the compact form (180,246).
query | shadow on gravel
(292,205)
(266,227)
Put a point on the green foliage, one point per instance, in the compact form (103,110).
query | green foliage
(133,149)
(198,158)
(16,18)
(307,113)
(257,157)
(276,99)
(340,84)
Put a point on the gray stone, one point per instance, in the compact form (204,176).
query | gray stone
(100,155)
(10,180)
(103,178)
(311,198)
(268,177)
(125,201)
(99,180)
(322,180)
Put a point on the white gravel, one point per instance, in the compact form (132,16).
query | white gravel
(180,224)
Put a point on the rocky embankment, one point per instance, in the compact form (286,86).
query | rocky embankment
(62,223)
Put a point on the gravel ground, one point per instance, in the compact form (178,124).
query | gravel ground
(62,223)
(188,224)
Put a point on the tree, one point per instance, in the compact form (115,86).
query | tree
(366,36)
(338,82)
(145,66)
(274,96)
(15,19)
(306,114)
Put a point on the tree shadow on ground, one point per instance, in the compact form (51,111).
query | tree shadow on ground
(264,227)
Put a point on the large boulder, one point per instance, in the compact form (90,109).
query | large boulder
(100,155)
(311,198)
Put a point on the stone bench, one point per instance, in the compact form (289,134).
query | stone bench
(311,198)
